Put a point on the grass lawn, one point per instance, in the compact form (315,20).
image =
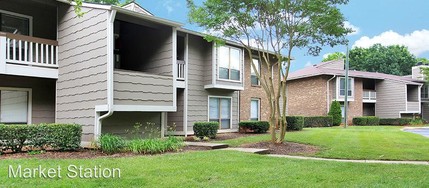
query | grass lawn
(225,169)
(364,142)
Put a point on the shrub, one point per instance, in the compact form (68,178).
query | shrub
(54,136)
(209,129)
(295,123)
(366,120)
(360,121)
(318,121)
(335,112)
(395,121)
(155,146)
(110,143)
(372,120)
(255,126)
(417,121)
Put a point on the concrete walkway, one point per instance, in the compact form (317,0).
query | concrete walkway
(265,151)
(207,144)
(424,131)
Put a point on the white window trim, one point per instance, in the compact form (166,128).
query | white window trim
(259,106)
(30,98)
(30,19)
(351,86)
(240,64)
(208,109)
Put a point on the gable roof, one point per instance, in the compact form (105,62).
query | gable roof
(320,69)
(136,8)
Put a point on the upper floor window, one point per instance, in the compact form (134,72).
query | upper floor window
(253,78)
(15,23)
(342,87)
(229,60)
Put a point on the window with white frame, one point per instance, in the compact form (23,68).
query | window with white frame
(220,111)
(254,109)
(342,87)
(229,60)
(15,23)
(253,78)
(14,106)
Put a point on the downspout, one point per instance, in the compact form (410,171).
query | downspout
(110,67)
(327,93)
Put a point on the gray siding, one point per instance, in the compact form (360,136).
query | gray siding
(43,93)
(136,88)
(121,123)
(82,66)
(44,15)
(162,60)
(197,96)
(425,111)
(177,117)
(391,98)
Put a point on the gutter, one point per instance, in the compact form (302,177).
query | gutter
(327,93)
(110,66)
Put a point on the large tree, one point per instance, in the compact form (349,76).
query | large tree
(334,56)
(394,59)
(273,28)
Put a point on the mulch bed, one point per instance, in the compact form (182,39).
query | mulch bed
(286,148)
(85,154)
(224,136)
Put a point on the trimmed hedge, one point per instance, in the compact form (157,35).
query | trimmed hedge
(255,126)
(318,121)
(395,121)
(203,129)
(366,120)
(295,123)
(54,136)
(335,112)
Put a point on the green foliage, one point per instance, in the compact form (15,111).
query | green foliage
(423,60)
(110,143)
(35,152)
(417,121)
(318,121)
(366,120)
(295,123)
(335,112)
(334,56)
(267,26)
(55,136)
(254,126)
(209,129)
(396,60)
(395,121)
(155,146)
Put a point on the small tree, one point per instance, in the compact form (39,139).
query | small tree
(335,112)
(334,56)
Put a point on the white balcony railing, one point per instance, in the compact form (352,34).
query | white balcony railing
(29,51)
(369,95)
(180,70)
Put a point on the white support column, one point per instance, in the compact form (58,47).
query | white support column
(2,54)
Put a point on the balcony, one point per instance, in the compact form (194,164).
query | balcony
(413,107)
(369,96)
(133,88)
(28,56)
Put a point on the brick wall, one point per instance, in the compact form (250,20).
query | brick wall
(256,92)
(307,96)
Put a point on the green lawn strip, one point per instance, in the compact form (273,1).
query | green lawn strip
(226,169)
(364,142)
